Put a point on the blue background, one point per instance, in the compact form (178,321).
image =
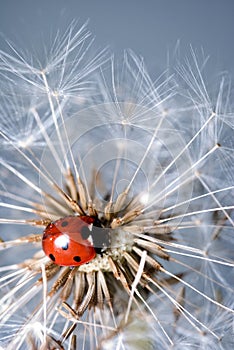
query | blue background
(151,28)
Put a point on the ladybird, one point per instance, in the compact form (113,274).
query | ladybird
(68,241)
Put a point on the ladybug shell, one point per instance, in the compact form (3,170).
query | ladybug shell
(65,241)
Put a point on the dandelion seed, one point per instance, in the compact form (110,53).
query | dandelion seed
(117,204)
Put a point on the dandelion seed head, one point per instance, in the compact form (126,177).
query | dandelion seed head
(149,166)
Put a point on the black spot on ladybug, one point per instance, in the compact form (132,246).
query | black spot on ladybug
(77,258)
(51,256)
(85,232)
(64,223)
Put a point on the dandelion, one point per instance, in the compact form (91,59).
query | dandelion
(117,203)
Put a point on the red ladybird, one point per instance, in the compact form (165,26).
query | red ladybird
(68,241)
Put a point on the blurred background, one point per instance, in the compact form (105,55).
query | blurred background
(151,28)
